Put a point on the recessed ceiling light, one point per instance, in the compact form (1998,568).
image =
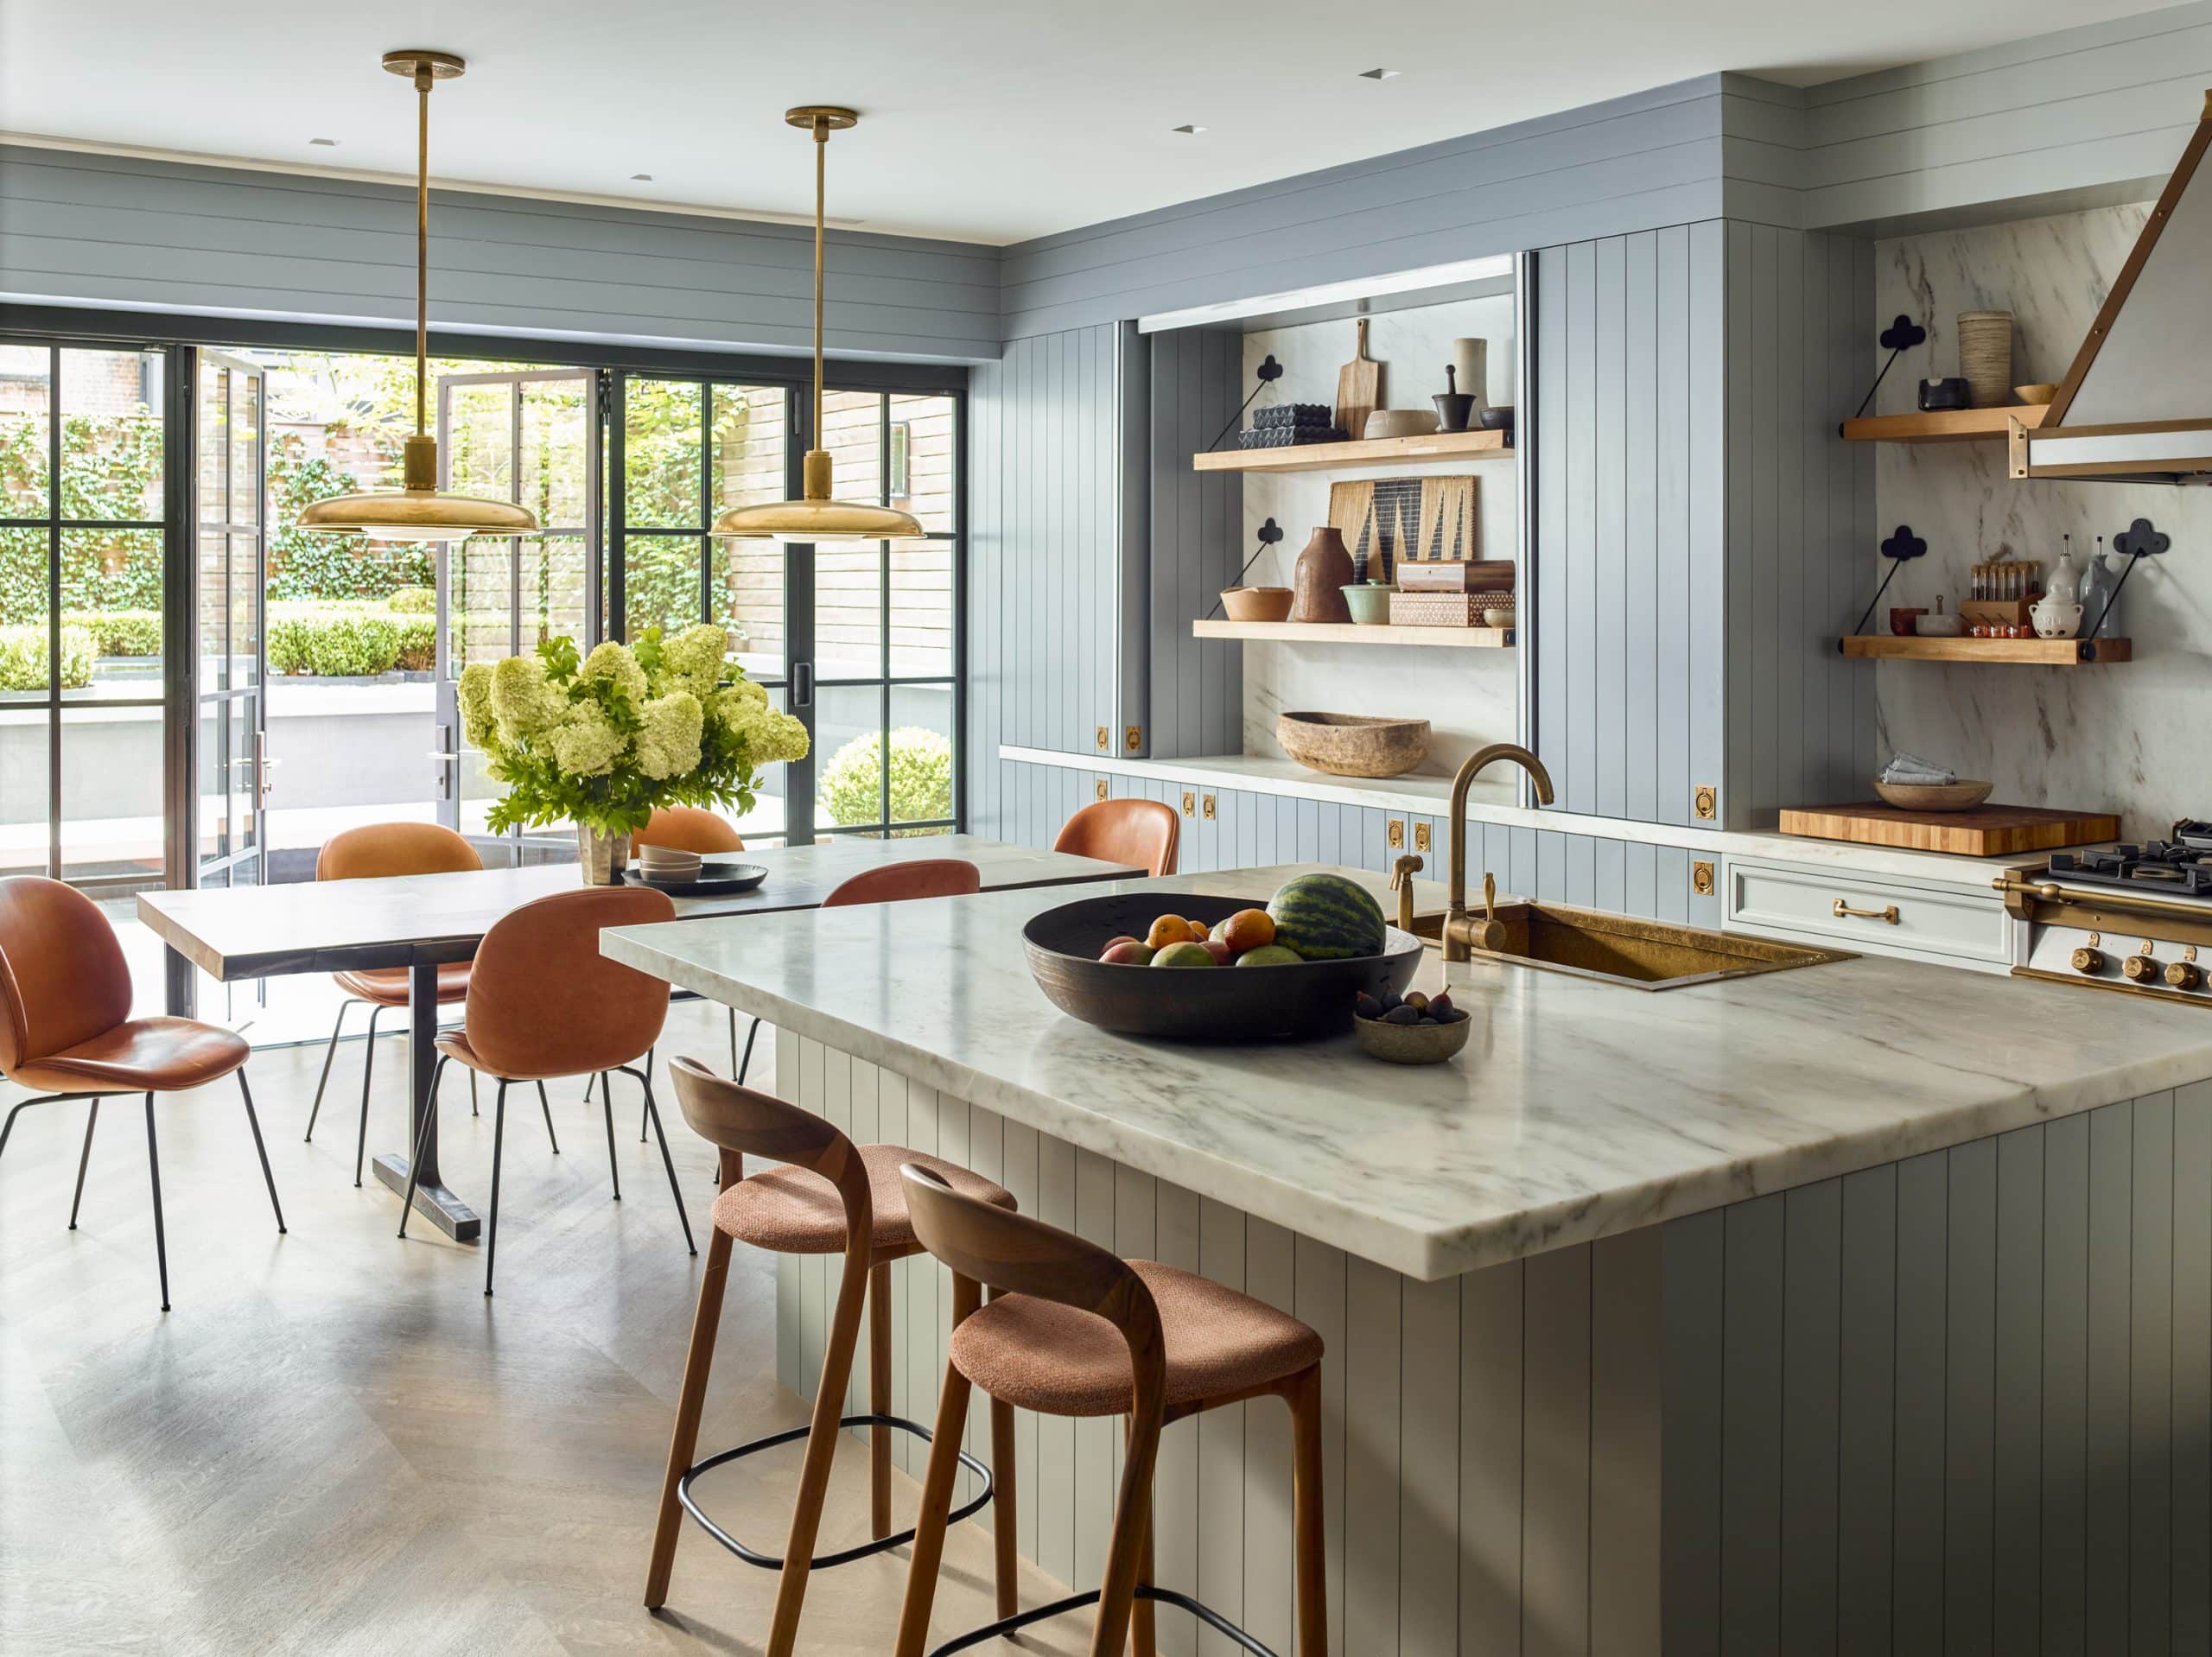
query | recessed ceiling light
(327,144)
(1378,74)
(1192,128)
(641,178)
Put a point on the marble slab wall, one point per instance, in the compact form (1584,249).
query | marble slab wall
(1469,697)
(2130,737)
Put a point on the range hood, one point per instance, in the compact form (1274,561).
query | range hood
(2136,407)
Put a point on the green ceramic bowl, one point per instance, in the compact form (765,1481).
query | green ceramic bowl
(1369,603)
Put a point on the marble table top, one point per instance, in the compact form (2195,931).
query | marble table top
(1578,1109)
(418,919)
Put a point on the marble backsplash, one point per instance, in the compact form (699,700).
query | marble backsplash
(2136,737)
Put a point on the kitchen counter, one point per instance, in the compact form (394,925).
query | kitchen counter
(1578,1110)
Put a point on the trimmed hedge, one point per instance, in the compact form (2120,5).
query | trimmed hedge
(921,779)
(414,600)
(119,632)
(23,657)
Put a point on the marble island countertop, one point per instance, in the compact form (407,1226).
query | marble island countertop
(1578,1109)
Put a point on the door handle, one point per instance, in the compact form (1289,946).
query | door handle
(802,684)
(263,766)
(1844,911)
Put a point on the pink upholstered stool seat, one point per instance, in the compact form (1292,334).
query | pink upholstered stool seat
(792,1210)
(1040,1355)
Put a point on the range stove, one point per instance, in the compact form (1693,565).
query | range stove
(2135,917)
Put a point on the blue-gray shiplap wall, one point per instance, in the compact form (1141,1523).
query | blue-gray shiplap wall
(1698,524)
(1197,520)
(116,230)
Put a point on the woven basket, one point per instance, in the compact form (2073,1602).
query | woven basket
(1985,357)
(1443,609)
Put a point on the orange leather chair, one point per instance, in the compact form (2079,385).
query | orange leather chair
(67,1032)
(370,852)
(688,828)
(1141,832)
(925,876)
(544,1002)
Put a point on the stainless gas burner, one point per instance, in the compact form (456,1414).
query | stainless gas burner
(2173,868)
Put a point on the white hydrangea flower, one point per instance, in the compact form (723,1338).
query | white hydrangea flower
(615,665)
(586,743)
(668,741)
(523,700)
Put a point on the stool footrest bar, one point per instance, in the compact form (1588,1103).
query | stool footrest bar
(845,1556)
(1008,1625)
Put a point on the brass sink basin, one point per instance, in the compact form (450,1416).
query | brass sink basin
(1621,950)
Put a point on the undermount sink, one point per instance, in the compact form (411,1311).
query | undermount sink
(1622,950)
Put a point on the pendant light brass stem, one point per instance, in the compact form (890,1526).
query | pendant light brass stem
(821,168)
(422,243)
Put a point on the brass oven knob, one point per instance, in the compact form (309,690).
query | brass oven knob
(2183,976)
(2089,960)
(2142,969)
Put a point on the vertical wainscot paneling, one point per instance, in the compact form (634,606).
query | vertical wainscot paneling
(1196,698)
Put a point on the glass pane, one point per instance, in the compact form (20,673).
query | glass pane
(240,807)
(849,610)
(924,459)
(26,401)
(25,649)
(480,601)
(921,609)
(245,505)
(245,609)
(23,775)
(661,572)
(852,430)
(557,432)
(921,754)
(480,446)
(662,439)
(213,439)
(110,613)
(555,570)
(112,436)
(848,745)
(749,445)
(213,606)
(764,825)
(749,599)
(213,782)
(111,792)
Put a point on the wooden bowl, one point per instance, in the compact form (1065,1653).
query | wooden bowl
(1961,796)
(1256,603)
(2035,395)
(1410,1044)
(1400,423)
(1353,744)
(1309,999)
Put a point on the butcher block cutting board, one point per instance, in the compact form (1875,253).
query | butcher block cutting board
(1986,831)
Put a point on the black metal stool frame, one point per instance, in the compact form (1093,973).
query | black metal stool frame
(1006,1625)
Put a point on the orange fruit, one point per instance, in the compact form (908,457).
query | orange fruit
(1173,928)
(1249,929)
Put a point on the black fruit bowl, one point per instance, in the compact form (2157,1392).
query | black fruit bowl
(1311,999)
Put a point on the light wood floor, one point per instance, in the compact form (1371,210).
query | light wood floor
(336,1444)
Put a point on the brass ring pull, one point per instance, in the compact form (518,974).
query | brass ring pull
(1843,909)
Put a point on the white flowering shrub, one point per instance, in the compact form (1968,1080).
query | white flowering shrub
(604,739)
(921,778)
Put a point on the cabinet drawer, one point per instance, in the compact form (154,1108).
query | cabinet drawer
(1951,923)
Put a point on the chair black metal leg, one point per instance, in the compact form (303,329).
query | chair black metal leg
(674,1187)
(646,1110)
(492,1221)
(421,1145)
(261,1150)
(154,1172)
(589,1083)
(329,1054)
(746,1063)
(92,1120)
(471,1098)
(733,1041)
(368,1069)
(547,1108)
(9,1126)
(607,1098)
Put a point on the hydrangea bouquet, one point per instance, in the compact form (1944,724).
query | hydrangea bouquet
(602,739)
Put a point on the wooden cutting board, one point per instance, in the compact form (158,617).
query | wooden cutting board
(1986,831)
(1359,389)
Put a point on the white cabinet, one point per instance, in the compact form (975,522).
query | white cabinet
(1959,926)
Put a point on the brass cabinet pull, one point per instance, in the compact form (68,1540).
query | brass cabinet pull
(1843,909)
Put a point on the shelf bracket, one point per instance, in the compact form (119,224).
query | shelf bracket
(1900,336)
(1899,549)
(2139,541)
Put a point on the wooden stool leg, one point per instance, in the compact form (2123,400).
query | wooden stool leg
(1142,1640)
(691,1401)
(1126,1549)
(927,1550)
(878,1398)
(1003,1539)
(821,1452)
(1313,1590)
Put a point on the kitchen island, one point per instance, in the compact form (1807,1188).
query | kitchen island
(1863,1305)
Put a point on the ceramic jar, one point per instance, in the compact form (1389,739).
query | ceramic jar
(1470,371)
(1323,571)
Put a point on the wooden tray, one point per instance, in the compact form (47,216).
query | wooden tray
(1986,831)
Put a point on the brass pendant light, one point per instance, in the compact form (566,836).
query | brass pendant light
(816,516)
(419,511)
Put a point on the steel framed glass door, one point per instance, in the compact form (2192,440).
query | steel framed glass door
(228,616)
(531,438)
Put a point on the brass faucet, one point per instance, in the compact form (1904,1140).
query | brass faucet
(1402,881)
(1461,934)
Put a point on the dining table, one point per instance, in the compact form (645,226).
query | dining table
(422,922)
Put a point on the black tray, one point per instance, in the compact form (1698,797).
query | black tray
(1310,999)
(717,878)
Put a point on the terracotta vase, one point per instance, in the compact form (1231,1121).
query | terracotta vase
(603,856)
(1323,571)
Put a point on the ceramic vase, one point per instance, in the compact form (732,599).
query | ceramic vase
(1985,357)
(603,856)
(1324,569)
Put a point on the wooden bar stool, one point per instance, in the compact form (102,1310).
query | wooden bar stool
(830,1197)
(1072,1329)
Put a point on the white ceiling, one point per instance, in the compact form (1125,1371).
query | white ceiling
(989,120)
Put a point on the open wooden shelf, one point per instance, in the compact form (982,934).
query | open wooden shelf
(2034,652)
(1363,452)
(1347,632)
(1945,426)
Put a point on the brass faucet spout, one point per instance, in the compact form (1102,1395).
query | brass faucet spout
(1457,929)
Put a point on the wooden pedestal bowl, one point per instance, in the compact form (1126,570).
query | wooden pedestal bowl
(1310,999)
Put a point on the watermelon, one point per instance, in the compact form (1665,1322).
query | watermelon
(1327,917)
